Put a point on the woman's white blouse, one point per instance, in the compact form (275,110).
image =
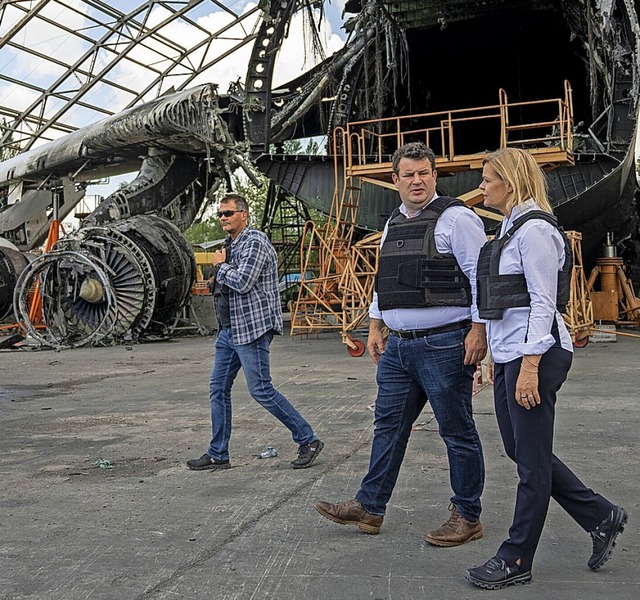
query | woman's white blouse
(537,250)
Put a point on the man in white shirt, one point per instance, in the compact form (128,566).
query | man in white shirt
(425,296)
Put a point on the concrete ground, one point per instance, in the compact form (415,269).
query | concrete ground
(148,528)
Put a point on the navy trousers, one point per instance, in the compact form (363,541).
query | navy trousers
(527,436)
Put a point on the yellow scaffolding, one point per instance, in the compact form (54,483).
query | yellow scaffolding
(338,297)
(579,315)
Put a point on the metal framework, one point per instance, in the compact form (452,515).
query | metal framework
(82,60)
(339,297)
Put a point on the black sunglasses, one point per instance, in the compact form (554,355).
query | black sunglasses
(227,213)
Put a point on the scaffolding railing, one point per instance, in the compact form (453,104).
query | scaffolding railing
(544,127)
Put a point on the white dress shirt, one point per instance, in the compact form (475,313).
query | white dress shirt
(537,250)
(459,231)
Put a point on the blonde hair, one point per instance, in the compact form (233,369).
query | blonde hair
(522,174)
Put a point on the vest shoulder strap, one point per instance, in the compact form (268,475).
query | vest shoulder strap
(441,203)
(394,213)
(522,219)
(432,210)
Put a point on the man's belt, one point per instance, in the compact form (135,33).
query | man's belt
(419,333)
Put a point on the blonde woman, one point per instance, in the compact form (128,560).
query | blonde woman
(523,285)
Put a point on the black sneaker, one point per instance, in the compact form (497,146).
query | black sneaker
(206,462)
(604,537)
(496,574)
(307,453)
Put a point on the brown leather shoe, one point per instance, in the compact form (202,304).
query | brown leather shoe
(351,513)
(456,531)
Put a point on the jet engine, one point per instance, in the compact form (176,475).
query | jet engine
(107,284)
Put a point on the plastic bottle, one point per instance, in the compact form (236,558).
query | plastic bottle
(268,452)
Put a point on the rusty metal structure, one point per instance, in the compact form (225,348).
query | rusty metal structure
(124,95)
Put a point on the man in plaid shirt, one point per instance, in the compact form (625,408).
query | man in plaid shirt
(247,305)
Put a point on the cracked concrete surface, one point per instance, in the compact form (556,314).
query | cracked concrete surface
(148,528)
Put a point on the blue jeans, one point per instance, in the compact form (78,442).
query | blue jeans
(410,373)
(253,358)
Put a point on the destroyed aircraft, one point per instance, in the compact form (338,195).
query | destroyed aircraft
(417,57)
(400,58)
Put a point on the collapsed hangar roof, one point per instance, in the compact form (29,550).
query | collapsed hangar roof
(67,63)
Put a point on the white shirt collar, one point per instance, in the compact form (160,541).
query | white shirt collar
(405,212)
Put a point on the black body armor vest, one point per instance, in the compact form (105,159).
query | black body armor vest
(497,292)
(411,272)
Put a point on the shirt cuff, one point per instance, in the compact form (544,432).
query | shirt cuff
(475,316)
(219,270)
(374,311)
(375,314)
(538,347)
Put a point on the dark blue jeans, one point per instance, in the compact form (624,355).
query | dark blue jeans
(410,373)
(527,436)
(254,360)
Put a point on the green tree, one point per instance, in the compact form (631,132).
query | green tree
(301,146)
(255,196)
(205,231)
(208,228)
(9,148)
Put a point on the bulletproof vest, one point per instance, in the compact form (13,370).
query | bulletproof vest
(497,292)
(411,272)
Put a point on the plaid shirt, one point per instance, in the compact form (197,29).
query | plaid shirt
(252,278)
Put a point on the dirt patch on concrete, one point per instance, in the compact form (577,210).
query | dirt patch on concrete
(100,470)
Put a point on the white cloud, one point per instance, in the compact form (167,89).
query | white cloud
(47,39)
(16,97)
(296,55)
(294,58)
